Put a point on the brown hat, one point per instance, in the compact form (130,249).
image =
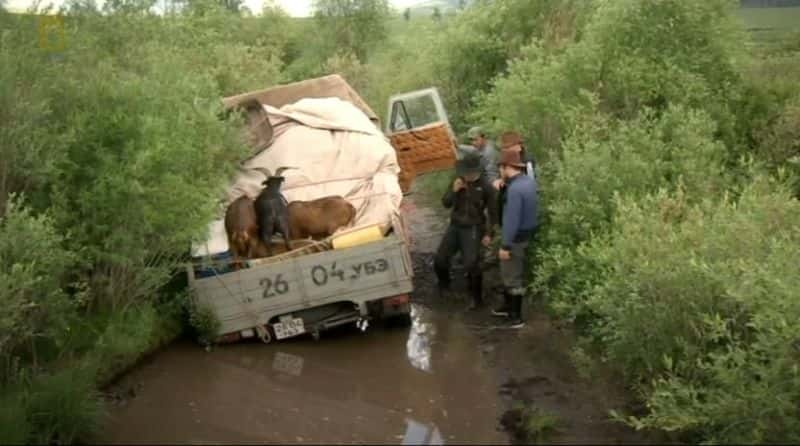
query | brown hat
(510,158)
(510,139)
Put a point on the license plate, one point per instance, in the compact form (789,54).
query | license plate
(288,327)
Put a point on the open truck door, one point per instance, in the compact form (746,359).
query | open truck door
(420,132)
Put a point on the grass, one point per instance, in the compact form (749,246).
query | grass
(533,425)
(433,184)
(58,407)
(65,405)
(539,425)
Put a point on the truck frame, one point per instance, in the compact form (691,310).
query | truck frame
(307,291)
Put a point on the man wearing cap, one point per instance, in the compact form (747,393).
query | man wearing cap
(486,149)
(472,199)
(519,221)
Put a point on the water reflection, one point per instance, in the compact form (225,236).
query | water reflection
(419,433)
(418,346)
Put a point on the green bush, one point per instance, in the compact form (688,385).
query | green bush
(477,45)
(34,269)
(204,322)
(601,159)
(14,425)
(699,304)
(118,145)
(403,64)
(125,337)
(143,157)
(64,406)
(350,26)
(24,150)
(779,143)
(632,54)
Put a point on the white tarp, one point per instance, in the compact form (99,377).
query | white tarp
(337,151)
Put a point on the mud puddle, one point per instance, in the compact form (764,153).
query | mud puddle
(420,385)
(452,377)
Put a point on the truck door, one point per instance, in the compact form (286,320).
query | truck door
(420,132)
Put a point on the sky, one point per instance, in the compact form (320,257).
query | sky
(297,8)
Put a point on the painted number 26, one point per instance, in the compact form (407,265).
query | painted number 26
(274,287)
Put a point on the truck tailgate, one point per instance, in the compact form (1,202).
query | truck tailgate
(251,297)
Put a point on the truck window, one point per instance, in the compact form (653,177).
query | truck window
(414,110)
(399,119)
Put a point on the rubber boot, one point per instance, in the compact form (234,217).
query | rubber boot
(516,312)
(443,276)
(505,309)
(476,287)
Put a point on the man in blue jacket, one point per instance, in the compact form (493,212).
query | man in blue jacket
(519,222)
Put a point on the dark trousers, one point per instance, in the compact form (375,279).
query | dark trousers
(512,272)
(467,241)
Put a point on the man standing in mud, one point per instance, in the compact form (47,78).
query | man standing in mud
(487,152)
(471,197)
(519,222)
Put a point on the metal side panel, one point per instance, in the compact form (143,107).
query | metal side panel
(246,298)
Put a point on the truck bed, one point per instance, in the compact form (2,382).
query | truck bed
(257,296)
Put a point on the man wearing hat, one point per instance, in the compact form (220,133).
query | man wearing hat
(474,213)
(513,141)
(486,150)
(519,222)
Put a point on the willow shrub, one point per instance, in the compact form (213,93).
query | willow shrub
(632,54)
(476,45)
(142,156)
(699,304)
(34,270)
(603,158)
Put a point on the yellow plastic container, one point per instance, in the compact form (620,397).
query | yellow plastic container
(359,237)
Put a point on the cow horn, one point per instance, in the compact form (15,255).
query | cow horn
(281,169)
(264,171)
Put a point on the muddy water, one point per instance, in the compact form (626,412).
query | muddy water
(449,378)
(423,385)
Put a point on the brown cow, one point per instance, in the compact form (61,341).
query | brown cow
(319,218)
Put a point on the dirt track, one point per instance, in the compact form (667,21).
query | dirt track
(451,377)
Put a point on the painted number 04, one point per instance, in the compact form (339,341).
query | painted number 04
(320,275)
(274,287)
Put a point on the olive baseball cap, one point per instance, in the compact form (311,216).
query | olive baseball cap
(475,132)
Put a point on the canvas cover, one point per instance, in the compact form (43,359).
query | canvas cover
(332,86)
(337,150)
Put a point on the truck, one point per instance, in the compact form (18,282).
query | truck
(317,287)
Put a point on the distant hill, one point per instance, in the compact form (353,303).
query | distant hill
(426,7)
(769,3)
